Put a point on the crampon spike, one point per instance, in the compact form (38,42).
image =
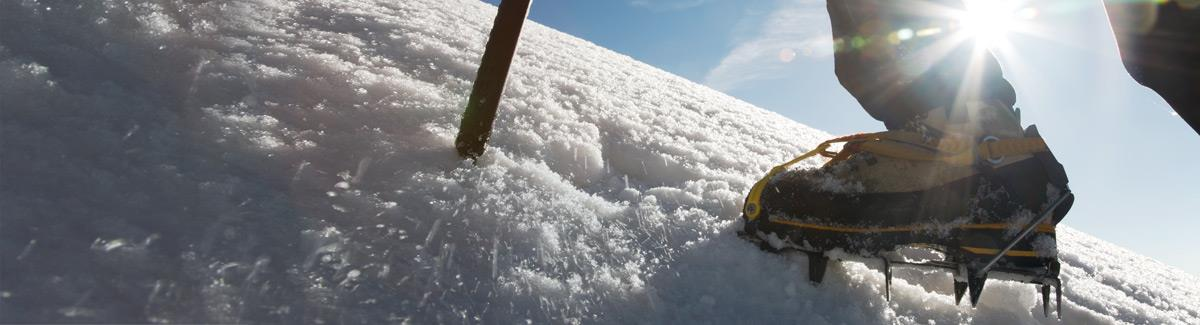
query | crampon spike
(816,267)
(959,289)
(975,286)
(887,279)
(1058,295)
(1046,300)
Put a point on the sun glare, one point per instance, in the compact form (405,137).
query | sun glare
(988,21)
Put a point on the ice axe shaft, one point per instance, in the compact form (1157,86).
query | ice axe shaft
(480,114)
(1024,233)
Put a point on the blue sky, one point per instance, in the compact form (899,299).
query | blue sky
(1130,159)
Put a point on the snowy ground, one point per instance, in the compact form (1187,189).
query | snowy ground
(287,162)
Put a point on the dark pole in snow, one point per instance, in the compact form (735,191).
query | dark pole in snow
(477,121)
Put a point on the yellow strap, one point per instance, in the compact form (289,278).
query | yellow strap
(912,146)
(1007,147)
(909,152)
(1042,228)
(993,251)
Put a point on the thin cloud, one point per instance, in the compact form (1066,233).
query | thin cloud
(795,30)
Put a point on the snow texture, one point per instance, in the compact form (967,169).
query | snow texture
(292,162)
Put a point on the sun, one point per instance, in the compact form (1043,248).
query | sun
(988,21)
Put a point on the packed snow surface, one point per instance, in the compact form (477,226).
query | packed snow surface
(292,162)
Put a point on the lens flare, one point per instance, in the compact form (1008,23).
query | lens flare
(787,55)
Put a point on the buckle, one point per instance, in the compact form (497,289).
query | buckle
(986,153)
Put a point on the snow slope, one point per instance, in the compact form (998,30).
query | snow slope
(286,162)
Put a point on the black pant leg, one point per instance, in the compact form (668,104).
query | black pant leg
(898,80)
(1160,47)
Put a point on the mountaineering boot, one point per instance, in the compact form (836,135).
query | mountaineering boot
(964,180)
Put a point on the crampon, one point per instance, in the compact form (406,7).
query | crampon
(989,212)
